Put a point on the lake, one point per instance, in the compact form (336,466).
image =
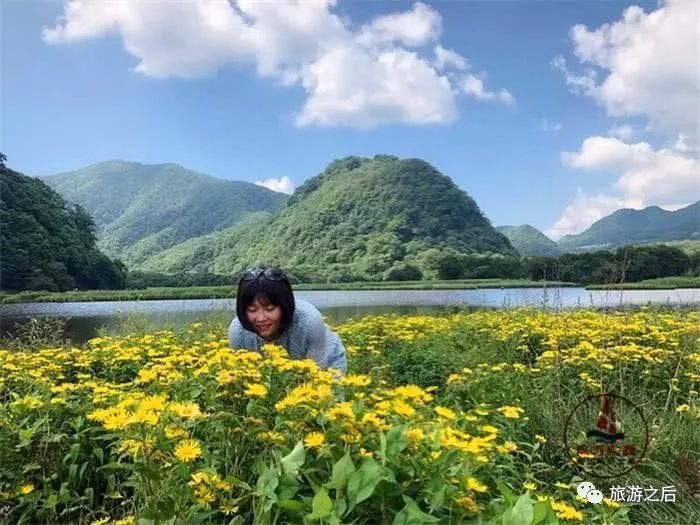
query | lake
(84,319)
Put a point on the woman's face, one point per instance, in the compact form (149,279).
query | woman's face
(265,318)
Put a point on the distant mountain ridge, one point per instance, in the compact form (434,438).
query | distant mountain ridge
(631,227)
(529,241)
(142,209)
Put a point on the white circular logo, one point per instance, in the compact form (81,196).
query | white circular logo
(584,488)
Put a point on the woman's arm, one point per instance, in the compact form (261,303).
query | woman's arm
(237,337)
(325,347)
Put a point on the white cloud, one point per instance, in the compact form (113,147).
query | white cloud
(447,58)
(550,127)
(419,26)
(391,70)
(650,62)
(647,176)
(665,177)
(645,64)
(474,86)
(346,86)
(169,39)
(282,185)
(581,84)
(623,132)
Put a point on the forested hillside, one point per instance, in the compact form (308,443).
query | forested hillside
(530,241)
(360,218)
(47,243)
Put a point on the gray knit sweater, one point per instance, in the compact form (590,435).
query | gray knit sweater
(306,337)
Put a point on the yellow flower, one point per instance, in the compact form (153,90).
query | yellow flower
(529,485)
(256,390)
(468,504)
(314,440)
(27,488)
(511,411)
(475,485)
(610,503)
(561,485)
(173,431)
(356,380)
(415,435)
(566,512)
(445,412)
(490,429)
(341,410)
(366,453)
(100,521)
(188,450)
(403,409)
(229,509)
(185,410)
(507,446)
(682,408)
(351,437)
(540,438)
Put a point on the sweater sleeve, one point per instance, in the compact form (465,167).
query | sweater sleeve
(237,336)
(316,347)
(323,345)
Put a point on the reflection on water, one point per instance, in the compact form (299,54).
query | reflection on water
(84,320)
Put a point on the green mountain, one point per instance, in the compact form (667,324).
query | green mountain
(142,209)
(47,243)
(631,227)
(530,241)
(359,218)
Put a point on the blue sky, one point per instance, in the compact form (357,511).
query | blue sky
(548,113)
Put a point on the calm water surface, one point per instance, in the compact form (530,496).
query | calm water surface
(83,320)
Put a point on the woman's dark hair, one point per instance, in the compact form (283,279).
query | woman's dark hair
(277,292)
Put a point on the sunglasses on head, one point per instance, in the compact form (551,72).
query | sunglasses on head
(273,274)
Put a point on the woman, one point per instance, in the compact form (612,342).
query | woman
(266,312)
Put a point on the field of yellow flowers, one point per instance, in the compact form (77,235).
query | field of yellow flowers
(442,419)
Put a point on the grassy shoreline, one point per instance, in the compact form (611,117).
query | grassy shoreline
(662,283)
(227,292)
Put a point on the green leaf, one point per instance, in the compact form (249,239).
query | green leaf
(521,513)
(342,470)
(89,494)
(362,483)
(438,499)
(539,512)
(340,506)
(412,515)
(267,483)
(507,493)
(288,487)
(51,502)
(74,451)
(292,504)
(396,441)
(292,462)
(321,506)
